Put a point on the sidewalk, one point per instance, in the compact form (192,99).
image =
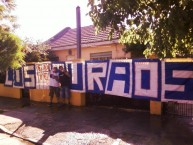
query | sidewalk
(91,125)
(6,139)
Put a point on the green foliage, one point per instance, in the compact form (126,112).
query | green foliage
(11,46)
(38,52)
(36,56)
(135,49)
(51,56)
(7,19)
(11,54)
(33,56)
(166,26)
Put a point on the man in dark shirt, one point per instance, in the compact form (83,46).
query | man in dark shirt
(65,81)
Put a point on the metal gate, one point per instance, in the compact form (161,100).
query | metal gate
(180,109)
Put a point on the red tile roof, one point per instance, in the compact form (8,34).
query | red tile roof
(67,37)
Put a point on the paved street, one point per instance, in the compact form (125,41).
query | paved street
(91,125)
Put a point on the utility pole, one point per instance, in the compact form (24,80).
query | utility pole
(78,32)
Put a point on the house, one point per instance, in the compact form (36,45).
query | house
(93,46)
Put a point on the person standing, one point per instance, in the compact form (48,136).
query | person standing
(54,85)
(65,81)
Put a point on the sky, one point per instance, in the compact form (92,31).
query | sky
(39,20)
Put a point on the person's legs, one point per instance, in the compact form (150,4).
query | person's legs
(51,94)
(57,93)
(67,94)
(63,94)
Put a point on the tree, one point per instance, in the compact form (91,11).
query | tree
(136,49)
(11,46)
(6,18)
(38,52)
(166,27)
(11,54)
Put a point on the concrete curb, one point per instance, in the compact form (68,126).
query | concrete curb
(5,130)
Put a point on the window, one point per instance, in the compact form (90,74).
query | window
(101,55)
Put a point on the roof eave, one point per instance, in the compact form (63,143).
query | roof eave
(95,44)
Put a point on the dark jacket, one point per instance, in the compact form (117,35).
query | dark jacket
(64,79)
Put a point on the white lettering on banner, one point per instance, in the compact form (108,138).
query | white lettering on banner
(178,74)
(74,73)
(175,74)
(30,77)
(9,82)
(182,74)
(17,76)
(95,76)
(153,80)
(120,70)
(166,86)
(119,80)
(136,78)
(78,76)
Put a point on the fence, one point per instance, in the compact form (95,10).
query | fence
(179,109)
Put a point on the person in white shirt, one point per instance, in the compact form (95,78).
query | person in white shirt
(54,85)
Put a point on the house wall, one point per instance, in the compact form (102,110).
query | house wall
(116,49)
(63,54)
(10,92)
(42,95)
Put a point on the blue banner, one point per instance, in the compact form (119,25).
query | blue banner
(96,76)
(29,76)
(77,71)
(177,82)
(132,78)
(119,81)
(146,79)
(18,78)
(9,78)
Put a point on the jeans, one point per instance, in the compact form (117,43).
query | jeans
(65,92)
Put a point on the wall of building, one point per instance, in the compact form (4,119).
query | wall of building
(10,92)
(116,49)
(42,95)
(63,54)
